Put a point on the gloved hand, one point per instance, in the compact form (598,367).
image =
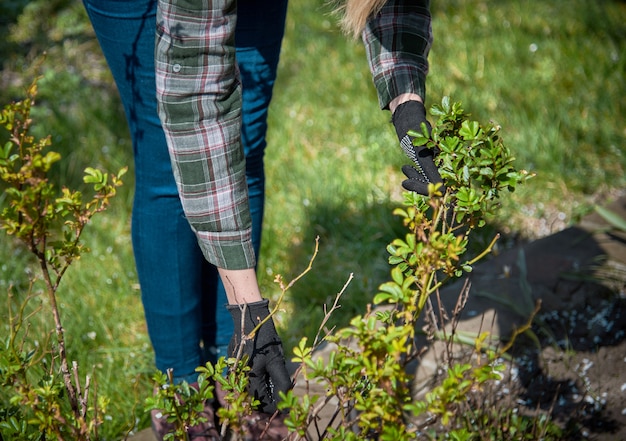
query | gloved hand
(268,374)
(410,116)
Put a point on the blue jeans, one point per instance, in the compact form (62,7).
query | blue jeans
(181,293)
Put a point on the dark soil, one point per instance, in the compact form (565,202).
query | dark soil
(579,374)
(571,364)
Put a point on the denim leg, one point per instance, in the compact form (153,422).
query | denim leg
(172,271)
(258,38)
(177,284)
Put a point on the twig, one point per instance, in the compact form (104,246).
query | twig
(77,385)
(336,305)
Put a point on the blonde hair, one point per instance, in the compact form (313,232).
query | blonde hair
(355,14)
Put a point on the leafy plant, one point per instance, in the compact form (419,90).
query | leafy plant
(367,372)
(44,396)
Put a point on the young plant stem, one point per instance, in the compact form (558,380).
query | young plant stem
(60,335)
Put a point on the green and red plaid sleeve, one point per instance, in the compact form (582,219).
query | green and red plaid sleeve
(397,42)
(199,96)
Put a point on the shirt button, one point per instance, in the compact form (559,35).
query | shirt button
(176,68)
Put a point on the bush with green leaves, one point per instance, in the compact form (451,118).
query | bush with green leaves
(367,373)
(42,394)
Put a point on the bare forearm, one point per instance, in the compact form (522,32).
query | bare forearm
(403,98)
(241,286)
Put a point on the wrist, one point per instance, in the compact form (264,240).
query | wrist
(241,286)
(403,98)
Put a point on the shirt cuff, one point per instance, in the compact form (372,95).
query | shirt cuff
(226,251)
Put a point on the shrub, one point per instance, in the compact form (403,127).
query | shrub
(43,396)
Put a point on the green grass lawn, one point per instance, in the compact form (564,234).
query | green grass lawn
(552,74)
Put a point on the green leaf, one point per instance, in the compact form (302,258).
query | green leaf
(6,150)
(445,104)
(611,217)
(379,298)
(486,171)
(469,130)
(92,176)
(49,159)
(397,276)
(419,138)
(301,351)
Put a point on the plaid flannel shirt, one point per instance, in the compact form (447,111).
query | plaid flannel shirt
(397,41)
(199,96)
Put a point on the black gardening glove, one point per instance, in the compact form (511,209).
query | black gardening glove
(268,374)
(410,116)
